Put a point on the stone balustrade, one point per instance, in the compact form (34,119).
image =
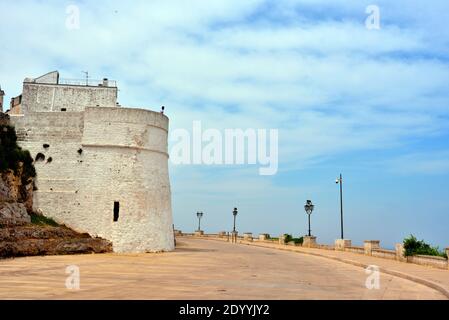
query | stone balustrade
(282,238)
(400,252)
(248,236)
(384,253)
(355,249)
(369,245)
(309,241)
(222,234)
(341,244)
(264,236)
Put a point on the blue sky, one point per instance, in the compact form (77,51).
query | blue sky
(372,104)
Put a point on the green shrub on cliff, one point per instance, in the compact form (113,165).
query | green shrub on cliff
(43,221)
(12,157)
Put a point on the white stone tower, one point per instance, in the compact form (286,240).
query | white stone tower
(101,168)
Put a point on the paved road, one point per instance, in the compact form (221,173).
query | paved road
(200,269)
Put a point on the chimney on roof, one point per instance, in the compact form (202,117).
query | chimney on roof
(105,82)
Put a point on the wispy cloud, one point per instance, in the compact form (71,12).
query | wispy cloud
(423,163)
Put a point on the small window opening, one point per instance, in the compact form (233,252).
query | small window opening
(63,109)
(46,145)
(116,210)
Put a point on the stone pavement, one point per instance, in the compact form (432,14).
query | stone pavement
(200,269)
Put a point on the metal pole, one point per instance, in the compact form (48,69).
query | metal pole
(341,205)
(309,225)
(199,223)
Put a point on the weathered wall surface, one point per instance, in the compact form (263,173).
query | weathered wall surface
(57,136)
(102,156)
(49,97)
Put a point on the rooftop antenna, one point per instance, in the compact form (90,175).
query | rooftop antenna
(87,77)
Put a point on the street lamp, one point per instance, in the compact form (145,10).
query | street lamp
(199,215)
(235,215)
(308,207)
(340,181)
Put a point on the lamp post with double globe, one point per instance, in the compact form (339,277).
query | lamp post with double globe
(308,207)
(199,215)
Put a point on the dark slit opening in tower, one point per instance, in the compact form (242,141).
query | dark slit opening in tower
(116,210)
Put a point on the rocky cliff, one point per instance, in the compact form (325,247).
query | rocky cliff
(23,232)
(16,178)
(16,200)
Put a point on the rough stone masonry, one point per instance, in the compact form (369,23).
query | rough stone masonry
(101,168)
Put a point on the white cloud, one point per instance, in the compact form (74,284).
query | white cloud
(200,58)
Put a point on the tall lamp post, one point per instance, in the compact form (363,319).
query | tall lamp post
(308,207)
(340,181)
(199,215)
(234,213)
